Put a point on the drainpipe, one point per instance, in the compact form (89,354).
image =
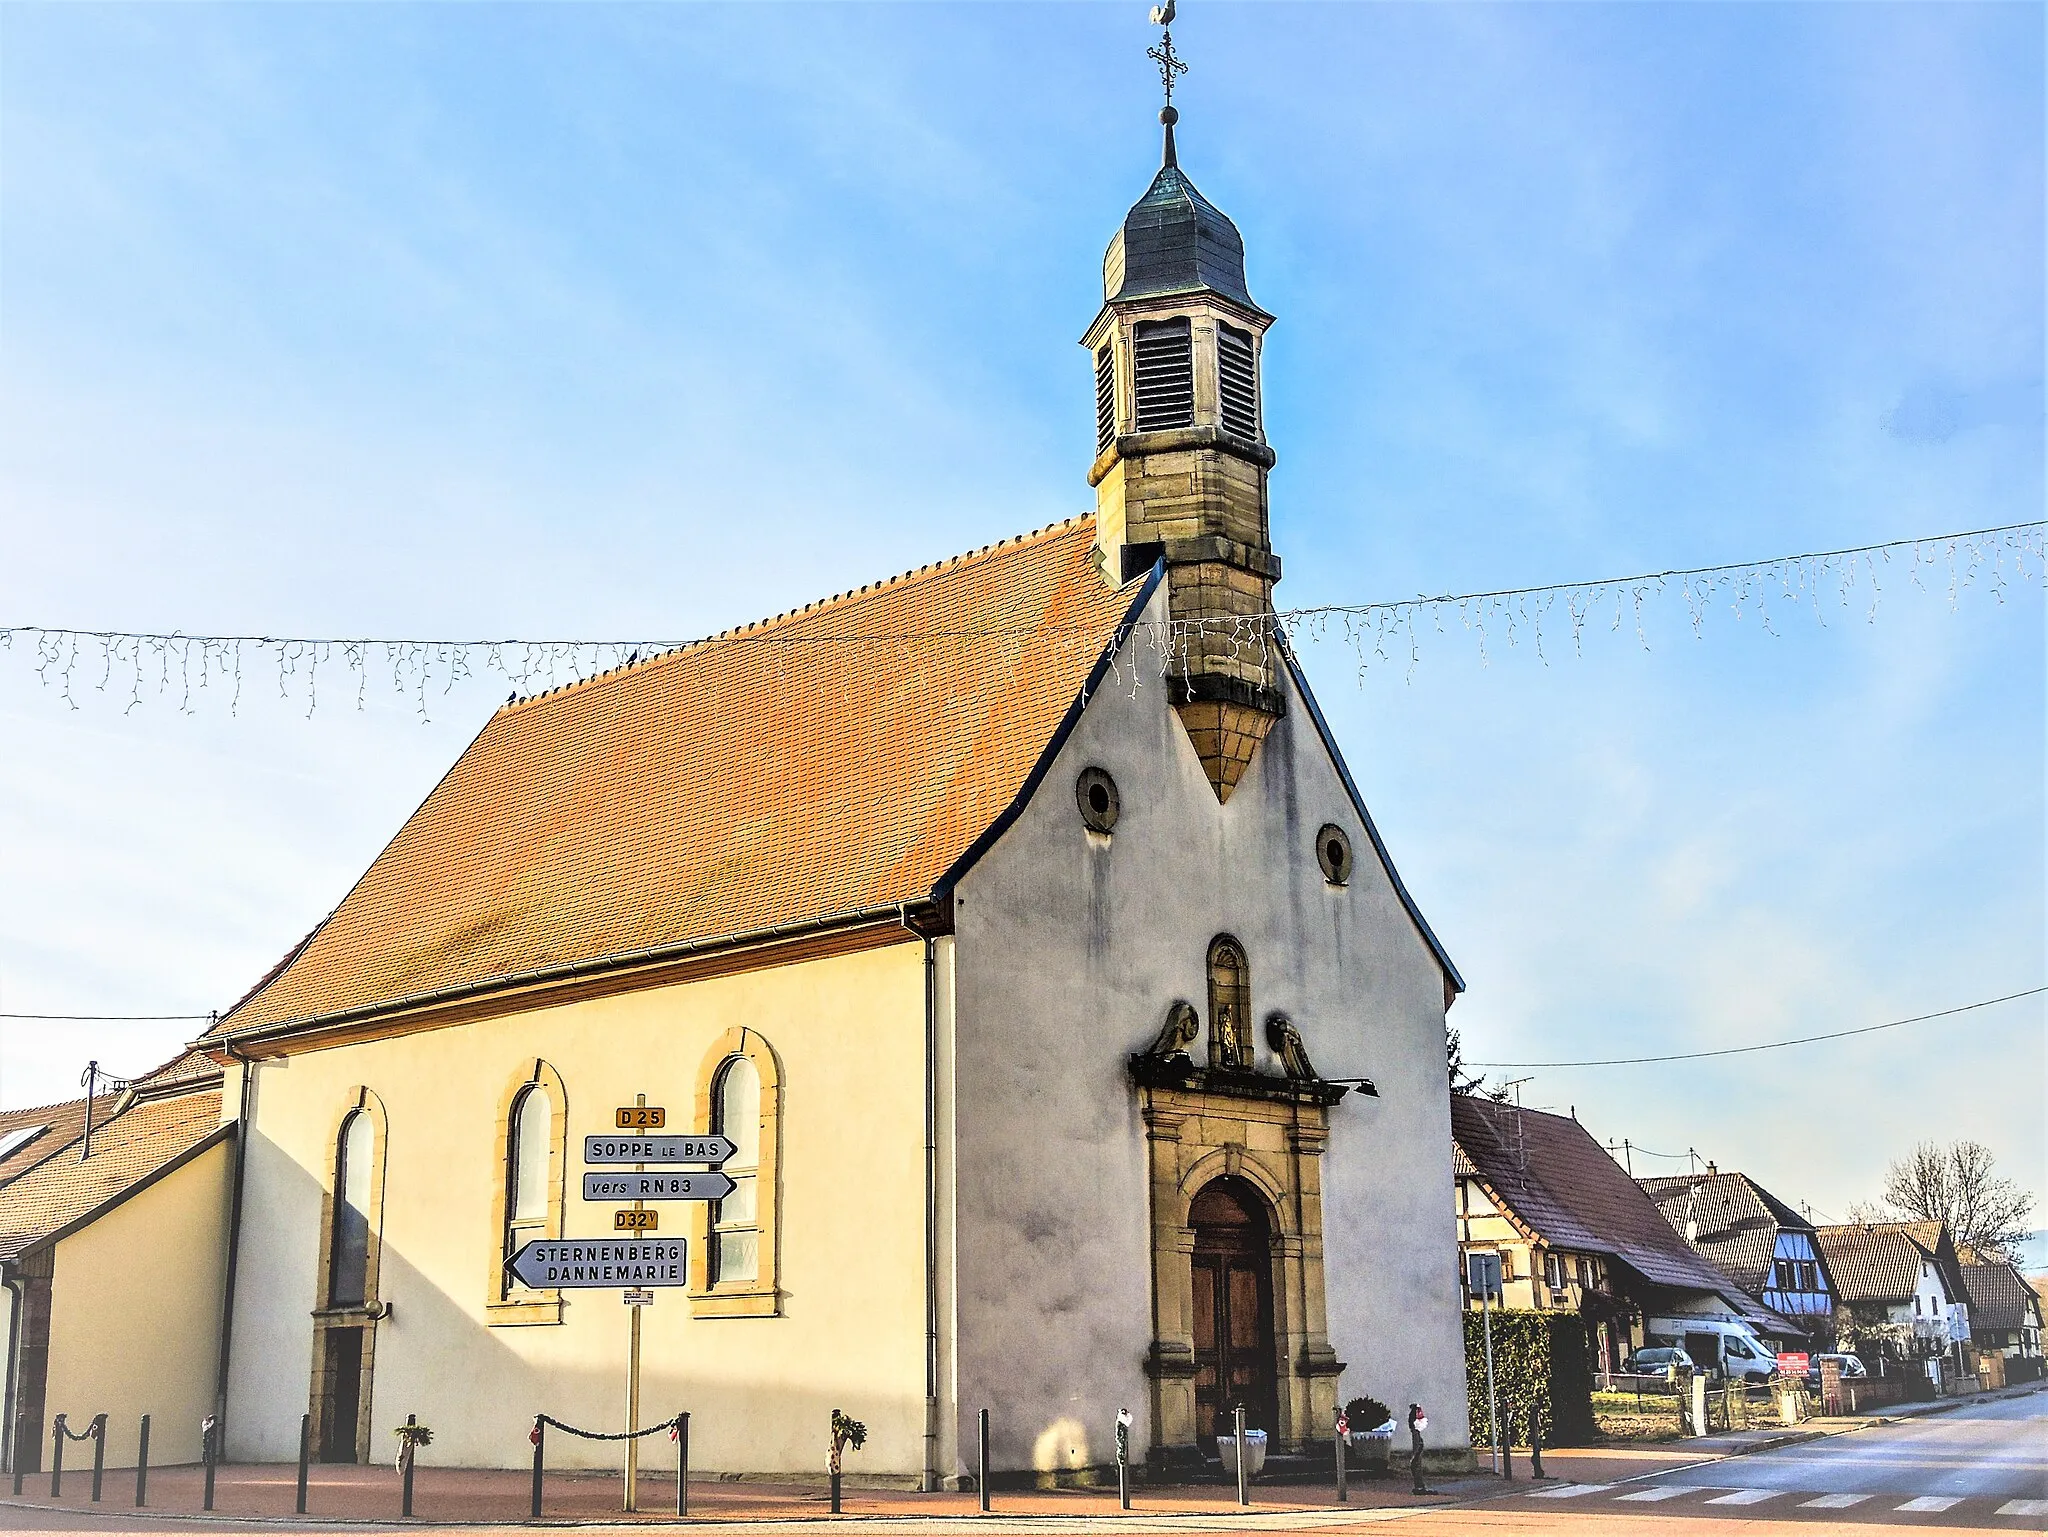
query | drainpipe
(227,1301)
(929,1479)
(8,1408)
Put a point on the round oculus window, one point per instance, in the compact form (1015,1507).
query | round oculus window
(1096,793)
(1333,853)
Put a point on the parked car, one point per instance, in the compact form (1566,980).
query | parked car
(1853,1370)
(1660,1361)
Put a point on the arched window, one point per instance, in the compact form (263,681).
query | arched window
(348,1251)
(1230,1005)
(533,1120)
(734,1263)
(736,1220)
(527,1165)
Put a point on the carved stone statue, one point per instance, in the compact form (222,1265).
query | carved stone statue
(1287,1046)
(1179,1032)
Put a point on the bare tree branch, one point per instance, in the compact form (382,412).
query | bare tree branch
(1957,1185)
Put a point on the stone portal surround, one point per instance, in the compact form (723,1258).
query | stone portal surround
(1271,1133)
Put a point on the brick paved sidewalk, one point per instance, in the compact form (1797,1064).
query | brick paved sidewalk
(461,1495)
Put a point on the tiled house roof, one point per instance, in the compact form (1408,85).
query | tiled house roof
(830,762)
(1739,1221)
(2000,1299)
(1869,1263)
(138,1143)
(1550,1173)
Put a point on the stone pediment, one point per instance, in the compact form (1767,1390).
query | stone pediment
(1180,1071)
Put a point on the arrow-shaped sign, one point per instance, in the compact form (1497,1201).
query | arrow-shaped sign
(628,1186)
(554,1262)
(713,1149)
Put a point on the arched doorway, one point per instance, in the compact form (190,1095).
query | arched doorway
(1235,1354)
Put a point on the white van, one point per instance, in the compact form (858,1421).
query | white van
(1729,1349)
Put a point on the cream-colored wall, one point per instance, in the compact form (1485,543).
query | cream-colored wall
(850,1034)
(135,1314)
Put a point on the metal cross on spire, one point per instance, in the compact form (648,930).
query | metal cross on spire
(1170,64)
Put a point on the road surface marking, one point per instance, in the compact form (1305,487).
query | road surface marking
(1567,1491)
(1746,1497)
(1931,1502)
(2024,1508)
(1664,1492)
(1834,1502)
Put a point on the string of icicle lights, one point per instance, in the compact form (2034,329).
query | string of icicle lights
(192,668)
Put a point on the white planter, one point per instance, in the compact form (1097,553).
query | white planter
(1254,1454)
(1373,1443)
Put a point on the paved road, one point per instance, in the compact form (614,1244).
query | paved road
(1981,1464)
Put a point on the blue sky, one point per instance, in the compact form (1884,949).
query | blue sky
(647,320)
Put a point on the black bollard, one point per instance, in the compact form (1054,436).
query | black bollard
(1416,1422)
(981,1460)
(1507,1444)
(683,1464)
(20,1455)
(835,1491)
(1337,1447)
(99,1453)
(1536,1442)
(1244,1494)
(208,1455)
(142,1465)
(538,1436)
(305,1458)
(412,1454)
(57,1434)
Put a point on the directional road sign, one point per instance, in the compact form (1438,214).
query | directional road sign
(713,1149)
(560,1262)
(707,1185)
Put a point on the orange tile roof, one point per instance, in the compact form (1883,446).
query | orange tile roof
(141,1141)
(833,760)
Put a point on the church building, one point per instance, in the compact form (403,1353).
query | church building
(1016,918)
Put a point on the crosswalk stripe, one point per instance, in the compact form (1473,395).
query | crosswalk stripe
(1931,1502)
(1567,1491)
(1662,1492)
(2024,1508)
(1834,1502)
(1746,1497)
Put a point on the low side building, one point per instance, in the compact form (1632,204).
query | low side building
(1900,1296)
(113,1242)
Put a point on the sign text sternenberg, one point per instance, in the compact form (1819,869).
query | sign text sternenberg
(602,1262)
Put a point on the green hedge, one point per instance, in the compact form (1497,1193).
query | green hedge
(1535,1356)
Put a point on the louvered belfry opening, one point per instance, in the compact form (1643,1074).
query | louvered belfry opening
(1237,376)
(1105,398)
(1163,354)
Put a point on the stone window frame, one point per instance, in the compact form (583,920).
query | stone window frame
(759,1296)
(506,1303)
(360,1100)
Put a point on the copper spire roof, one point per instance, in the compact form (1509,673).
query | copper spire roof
(825,763)
(1174,241)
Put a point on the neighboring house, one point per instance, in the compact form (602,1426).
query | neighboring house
(1016,918)
(1903,1278)
(1758,1242)
(2005,1315)
(1575,1233)
(112,1255)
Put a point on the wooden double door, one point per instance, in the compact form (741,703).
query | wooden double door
(1235,1355)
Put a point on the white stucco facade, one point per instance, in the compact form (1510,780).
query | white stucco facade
(1071,947)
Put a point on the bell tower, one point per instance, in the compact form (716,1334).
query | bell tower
(1181,457)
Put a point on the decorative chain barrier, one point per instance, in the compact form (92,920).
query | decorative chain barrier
(678,1430)
(60,1432)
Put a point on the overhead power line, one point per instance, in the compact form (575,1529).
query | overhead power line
(105,1018)
(129,661)
(1802,1040)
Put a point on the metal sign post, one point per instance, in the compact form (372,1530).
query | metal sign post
(640,1117)
(1483,1272)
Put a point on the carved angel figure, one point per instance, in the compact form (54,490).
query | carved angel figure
(1181,1027)
(1287,1046)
